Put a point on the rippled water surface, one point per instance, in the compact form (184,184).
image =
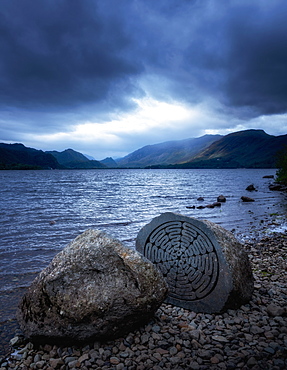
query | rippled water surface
(42,211)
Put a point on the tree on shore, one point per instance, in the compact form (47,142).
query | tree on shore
(281,174)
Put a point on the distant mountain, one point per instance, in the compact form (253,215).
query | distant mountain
(170,152)
(89,157)
(109,162)
(249,148)
(69,158)
(243,149)
(18,156)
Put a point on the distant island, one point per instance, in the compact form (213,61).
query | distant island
(242,149)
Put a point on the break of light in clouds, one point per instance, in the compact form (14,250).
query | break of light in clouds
(151,116)
(107,77)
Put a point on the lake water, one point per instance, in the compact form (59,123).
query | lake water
(42,211)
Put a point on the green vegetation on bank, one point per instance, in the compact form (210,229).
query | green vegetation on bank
(19,166)
(281,175)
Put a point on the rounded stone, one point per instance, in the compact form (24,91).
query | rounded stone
(205,267)
(94,288)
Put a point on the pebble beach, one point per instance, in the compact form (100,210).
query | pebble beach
(251,337)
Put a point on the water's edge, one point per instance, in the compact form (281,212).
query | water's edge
(42,211)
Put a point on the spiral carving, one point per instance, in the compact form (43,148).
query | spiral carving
(186,257)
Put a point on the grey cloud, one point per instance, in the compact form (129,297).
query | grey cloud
(258,59)
(61,54)
(65,61)
(233,51)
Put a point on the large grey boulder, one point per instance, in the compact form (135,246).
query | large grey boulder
(94,288)
(205,266)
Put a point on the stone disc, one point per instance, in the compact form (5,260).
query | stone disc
(190,258)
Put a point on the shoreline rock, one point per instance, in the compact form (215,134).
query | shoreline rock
(250,337)
(94,288)
(206,268)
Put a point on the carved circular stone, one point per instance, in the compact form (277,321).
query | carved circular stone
(190,258)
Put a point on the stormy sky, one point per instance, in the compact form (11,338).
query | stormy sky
(106,77)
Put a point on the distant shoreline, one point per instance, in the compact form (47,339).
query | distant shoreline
(171,167)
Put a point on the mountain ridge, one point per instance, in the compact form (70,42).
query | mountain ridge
(168,152)
(18,156)
(70,158)
(248,148)
(252,148)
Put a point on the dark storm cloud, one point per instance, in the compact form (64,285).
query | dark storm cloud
(72,60)
(233,51)
(61,53)
(258,58)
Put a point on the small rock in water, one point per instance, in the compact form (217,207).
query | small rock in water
(217,204)
(221,198)
(247,199)
(250,187)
